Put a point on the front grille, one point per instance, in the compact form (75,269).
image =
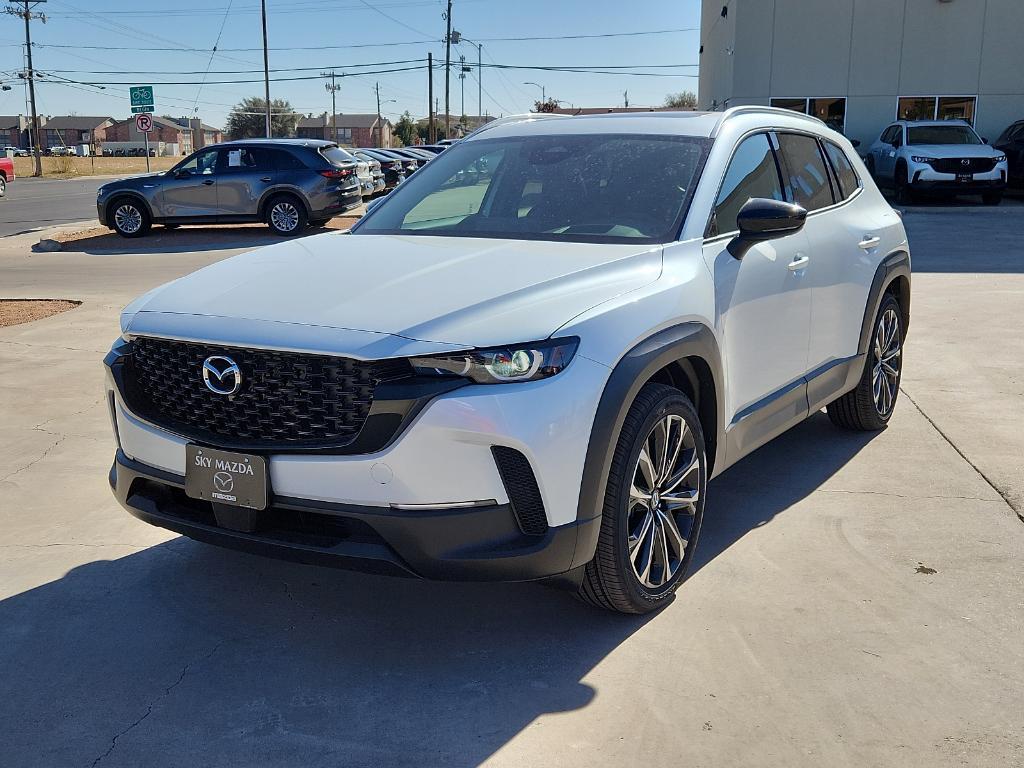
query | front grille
(286,400)
(957,164)
(521,486)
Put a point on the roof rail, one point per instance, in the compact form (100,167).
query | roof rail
(759,109)
(507,119)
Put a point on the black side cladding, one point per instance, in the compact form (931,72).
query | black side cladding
(521,486)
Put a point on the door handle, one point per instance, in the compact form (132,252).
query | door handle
(869,242)
(207,182)
(798,263)
(266,179)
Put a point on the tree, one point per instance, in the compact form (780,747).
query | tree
(550,105)
(683,100)
(247,119)
(405,129)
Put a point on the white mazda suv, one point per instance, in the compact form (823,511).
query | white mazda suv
(528,360)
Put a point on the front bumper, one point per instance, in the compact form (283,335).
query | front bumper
(457,544)
(924,178)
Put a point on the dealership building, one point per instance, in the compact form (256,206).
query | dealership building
(860,64)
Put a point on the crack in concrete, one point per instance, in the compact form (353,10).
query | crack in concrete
(41,424)
(60,439)
(904,496)
(152,704)
(1002,493)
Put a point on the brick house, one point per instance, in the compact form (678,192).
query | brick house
(14,130)
(166,131)
(354,130)
(73,130)
(203,135)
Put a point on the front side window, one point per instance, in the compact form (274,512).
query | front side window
(807,179)
(579,188)
(847,177)
(941,134)
(201,163)
(751,173)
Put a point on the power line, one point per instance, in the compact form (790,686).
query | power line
(122,71)
(213,52)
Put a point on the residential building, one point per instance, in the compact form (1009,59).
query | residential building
(168,136)
(860,64)
(15,130)
(203,135)
(353,130)
(74,130)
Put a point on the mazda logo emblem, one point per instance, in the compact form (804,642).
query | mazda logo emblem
(223,482)
(965,161)
(221,375)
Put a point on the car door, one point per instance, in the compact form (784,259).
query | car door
(762,303)
(189,190)
(885,160)
(243,175)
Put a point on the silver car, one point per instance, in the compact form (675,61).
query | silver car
(287,183)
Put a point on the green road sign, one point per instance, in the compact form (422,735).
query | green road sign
(143,108)
(142,95)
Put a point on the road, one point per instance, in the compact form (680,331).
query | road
(32,203)
(855,600)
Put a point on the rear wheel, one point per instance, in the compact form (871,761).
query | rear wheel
(870,405)
(129,218)
(286,215)
(653,507)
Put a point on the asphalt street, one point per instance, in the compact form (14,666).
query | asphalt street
(855,599)
(33,203)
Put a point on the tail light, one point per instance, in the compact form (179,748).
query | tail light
(336,173)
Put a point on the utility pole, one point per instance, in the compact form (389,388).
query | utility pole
(380,127)
(625,99)
(431,134)
(333,88)
(30,73)
(266,64)
(462,78)
(479,81)
(447,72)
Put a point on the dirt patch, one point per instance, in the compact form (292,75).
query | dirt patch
(17,311)
(69,167)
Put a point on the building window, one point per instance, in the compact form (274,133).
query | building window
(343,135)
(936,108)
(831,111)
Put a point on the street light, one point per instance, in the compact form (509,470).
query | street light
(479,74)
(543,93)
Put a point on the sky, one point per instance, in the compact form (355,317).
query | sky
(117,43)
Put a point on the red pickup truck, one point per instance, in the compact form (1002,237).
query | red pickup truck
(6,174)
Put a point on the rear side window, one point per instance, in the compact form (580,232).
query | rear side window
(806,178)
(286,161)
(751,173)
(243,159)
(848,179)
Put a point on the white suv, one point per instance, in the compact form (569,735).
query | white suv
(937,157)
(526,362)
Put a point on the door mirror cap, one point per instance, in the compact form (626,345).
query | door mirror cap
(182,174)
(762,219)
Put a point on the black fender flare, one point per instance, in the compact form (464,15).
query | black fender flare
(893,267)
(633,370)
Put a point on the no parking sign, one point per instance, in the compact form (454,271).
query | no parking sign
(144,123)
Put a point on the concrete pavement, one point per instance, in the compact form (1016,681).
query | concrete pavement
(34,203)
(855,600)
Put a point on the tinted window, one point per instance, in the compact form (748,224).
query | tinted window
(941,134)
(286,161)
(751,173)
(848,181)
(806,177)
(243,160)
(582,188)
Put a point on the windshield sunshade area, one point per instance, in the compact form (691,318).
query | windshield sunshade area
(941,134)
(580,188)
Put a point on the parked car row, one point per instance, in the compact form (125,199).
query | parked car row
(945,157)
(129,152)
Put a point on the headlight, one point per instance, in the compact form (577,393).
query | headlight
(1001,159)
(922,159)
(502,365)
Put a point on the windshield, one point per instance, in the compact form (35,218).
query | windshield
(942,134)
(582,188)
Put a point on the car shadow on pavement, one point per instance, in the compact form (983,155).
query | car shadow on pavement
(753,491)
(185,654)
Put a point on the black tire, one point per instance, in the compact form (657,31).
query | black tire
(3,186)
(992,198)
(859,409)
(286,215)
(128,217)
(901,184)
(610,580)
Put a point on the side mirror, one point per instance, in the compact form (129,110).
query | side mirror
(182,174)
(762,219)
(373,204)
(855,143)
(984,140)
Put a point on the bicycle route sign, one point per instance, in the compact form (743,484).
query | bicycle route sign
(142,98)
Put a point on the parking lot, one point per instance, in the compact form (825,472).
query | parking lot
(856,600)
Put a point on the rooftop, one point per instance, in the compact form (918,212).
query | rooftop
(76,122)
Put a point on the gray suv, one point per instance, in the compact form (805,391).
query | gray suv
(287,183)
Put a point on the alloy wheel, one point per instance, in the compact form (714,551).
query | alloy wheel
(885,373)
(663,502)
(284,216)
(128,219)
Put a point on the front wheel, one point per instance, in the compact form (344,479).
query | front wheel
(129,218)
(904,193)
(3,186)
(653,507)
(870,405)
(286,215)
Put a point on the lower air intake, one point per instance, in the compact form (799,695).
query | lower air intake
(521,487)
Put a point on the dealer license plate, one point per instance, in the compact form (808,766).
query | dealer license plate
(962,177)
(223,477)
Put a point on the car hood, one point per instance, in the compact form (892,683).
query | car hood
(341,293)
(952,150)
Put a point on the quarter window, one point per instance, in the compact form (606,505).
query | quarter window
(751,173)
(848,180)
(806,177)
